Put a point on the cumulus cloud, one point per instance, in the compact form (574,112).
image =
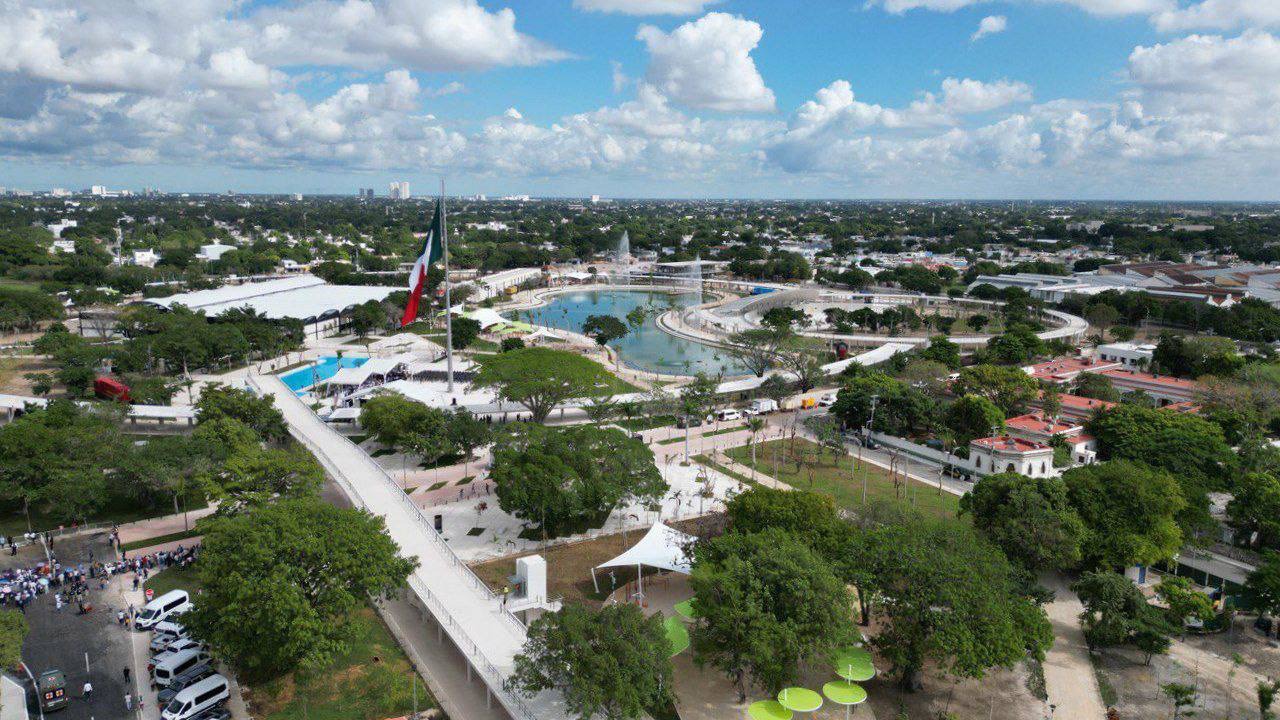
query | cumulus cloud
(645,7)
(707,64)
(990,25)
(1095,7)
(1220,15)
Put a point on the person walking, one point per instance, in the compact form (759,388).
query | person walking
(126,676)
(128,701)
(88,689)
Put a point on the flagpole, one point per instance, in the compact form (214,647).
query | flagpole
(448,298)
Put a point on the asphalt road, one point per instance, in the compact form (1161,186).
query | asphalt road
(84,647)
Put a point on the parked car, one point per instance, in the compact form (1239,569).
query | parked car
(728,414)
(762,406)
(958,472)
(827,400)
(176,644)
(180,683)
(168,605)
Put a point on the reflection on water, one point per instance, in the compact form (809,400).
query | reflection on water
(647,348)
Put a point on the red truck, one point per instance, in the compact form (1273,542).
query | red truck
(109,388)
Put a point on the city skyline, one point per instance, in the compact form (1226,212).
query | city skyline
(909,99)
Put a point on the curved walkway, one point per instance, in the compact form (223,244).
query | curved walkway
(469,612)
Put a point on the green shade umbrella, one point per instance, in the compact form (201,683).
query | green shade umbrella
(685,609)
(768,710)
(855,665)
(843,692)
(677,635)
(800,699)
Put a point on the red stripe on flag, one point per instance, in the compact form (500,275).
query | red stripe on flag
(411,308)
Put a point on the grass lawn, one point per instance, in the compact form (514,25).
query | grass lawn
(831,476)
(706,460)
(646,423)
(721,431)
(171,537)
(174,578)
(677,634)
(370,682)
(572,563)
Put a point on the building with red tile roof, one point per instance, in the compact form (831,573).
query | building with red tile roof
(1006,453)
(1064,370)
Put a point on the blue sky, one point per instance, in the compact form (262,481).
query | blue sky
(1127,99)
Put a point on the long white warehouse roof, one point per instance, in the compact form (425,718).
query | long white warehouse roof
(300,297)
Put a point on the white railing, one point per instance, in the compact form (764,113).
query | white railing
(496,680)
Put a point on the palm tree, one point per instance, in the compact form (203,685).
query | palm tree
(755,424)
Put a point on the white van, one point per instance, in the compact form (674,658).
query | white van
(729,414)
(175,645)
(167,666)
(174,602)
(762,406)
(208,693)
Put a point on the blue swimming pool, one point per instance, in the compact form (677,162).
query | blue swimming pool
(303,378)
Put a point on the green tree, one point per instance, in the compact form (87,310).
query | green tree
(13,632)
(393,418)
(465,330)
(784,319)
(467,433)
(366,317)
(943,351)
(1182,696)
(1190,447)
(604,329)
(766,605)
(757,349)
(810,517)
(1009,388)
(1030,519)
(1183,600)
(259,413)
(567,478)
(950,597)
(282,581)
(1262,587)
(612,662)
(255,476)
(1116,612)
(1254,509)
(972,417)
(541,378)
(1130,511)
(1098,387)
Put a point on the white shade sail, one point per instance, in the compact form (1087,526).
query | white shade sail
(661,547)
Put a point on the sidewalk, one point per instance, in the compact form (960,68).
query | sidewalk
(1068,675)
(13,699)
(159,526)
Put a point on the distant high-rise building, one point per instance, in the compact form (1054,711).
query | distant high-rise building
(297,197)
(98,190)
(365,193)
(399,190)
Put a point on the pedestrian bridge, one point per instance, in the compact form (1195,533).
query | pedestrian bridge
(469,612)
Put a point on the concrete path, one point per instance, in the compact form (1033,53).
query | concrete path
(1068,674)
(13,699)
(471,614)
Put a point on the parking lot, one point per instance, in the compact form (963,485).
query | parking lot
(88,647)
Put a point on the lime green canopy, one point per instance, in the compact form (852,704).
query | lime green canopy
(800,699)
(677,635)
(855,664)
(768,710)
(844,692)
(685,609)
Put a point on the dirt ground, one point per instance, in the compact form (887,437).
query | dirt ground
(569,566)
(13,370)
(1225,689)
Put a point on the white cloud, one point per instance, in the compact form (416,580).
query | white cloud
(1220,15)
(990,25)
(233,69)
(645,7)
(448,88)
(1094,7)
(707,64)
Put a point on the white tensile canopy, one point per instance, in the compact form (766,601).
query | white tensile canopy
(661,547)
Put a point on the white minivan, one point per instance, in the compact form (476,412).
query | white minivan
(198,697)
(729,414)
(167,666)
(174,602)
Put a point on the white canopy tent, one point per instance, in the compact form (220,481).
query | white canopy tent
(661,547)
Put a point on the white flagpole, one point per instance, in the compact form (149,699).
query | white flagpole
(448,298)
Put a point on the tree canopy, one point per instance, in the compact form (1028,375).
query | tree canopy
(1030,519)
(282,581)
(612,662)
(1130,511)
(566,479)
(541,378)
(1009,388)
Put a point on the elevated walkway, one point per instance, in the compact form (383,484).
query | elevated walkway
(467,610)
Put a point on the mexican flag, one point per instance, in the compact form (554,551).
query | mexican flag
(432,252)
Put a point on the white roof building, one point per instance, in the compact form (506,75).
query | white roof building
(214,251)
(301,297)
